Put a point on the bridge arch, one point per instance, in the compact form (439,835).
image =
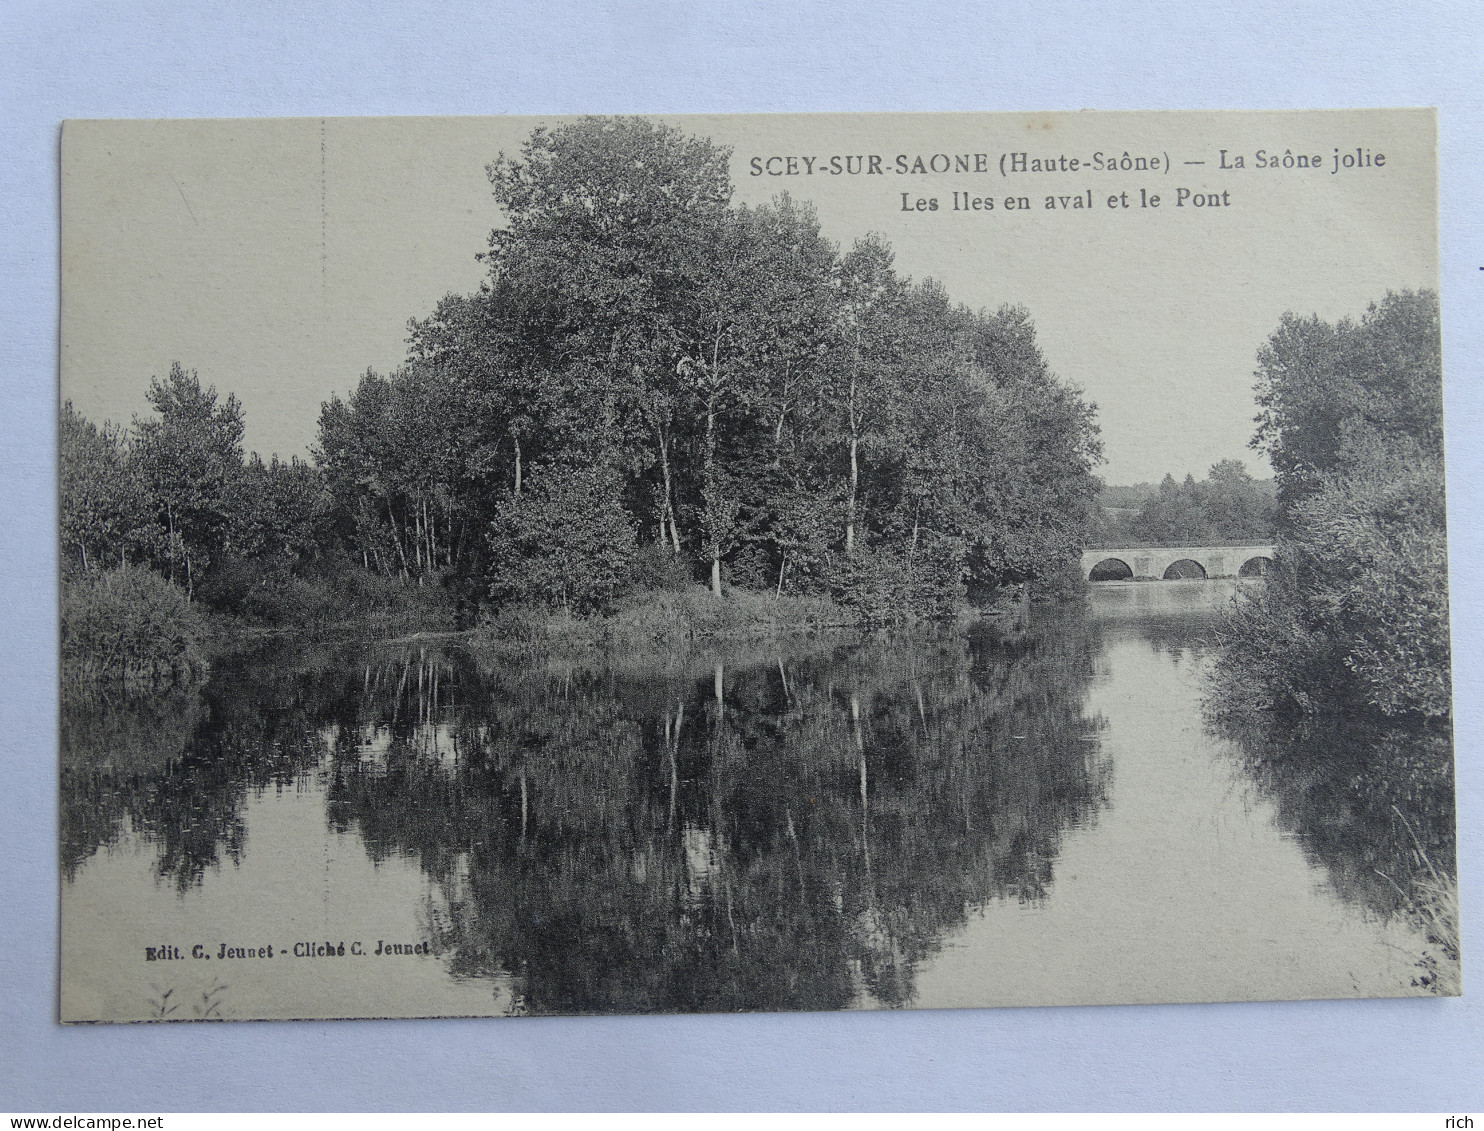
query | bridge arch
(1184,569)
(1111,569)
(1256,566)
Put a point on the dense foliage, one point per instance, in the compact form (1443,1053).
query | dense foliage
(646,368)
(1357,613)
(166,519)
(776,411)
(132,624)
(175,494)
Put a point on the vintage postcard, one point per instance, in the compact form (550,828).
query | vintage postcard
(582,565)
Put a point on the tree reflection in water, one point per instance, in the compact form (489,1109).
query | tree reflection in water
(760,826)
(1369,800)
(753,828)
(178,768)
(1372,802)
(729,831)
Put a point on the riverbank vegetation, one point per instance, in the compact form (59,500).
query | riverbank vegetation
(653,390)
(1355,617)
(1350,631)
(131,623)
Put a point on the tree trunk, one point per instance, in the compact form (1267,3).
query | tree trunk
(397,537)
(850,499)
(428,539)
(855,473)
(170,522)
(860,748)
(713,534)
(708,474)
(516,438)
(667,511)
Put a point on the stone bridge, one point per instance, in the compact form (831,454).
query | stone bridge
(1171,562)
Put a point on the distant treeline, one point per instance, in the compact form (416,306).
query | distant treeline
(653,386)
(1355,617)
(1228,506)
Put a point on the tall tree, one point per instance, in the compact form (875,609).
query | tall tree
(1039,446)
(610,223)
(869,331)
(190,456)
(404,458)
(1320,385)
(750,340)
(281,515)
(1356,614)
(104,513)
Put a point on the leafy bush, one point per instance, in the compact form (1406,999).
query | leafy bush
(267,595)
(1373,551)
(566,542)
(656,568)
(886,585)
(696,613)
(750,568)
(393,603)
(1357,611)
(131,624)
(516,627)
(671,618)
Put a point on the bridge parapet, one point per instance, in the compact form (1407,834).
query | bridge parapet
(1155,561)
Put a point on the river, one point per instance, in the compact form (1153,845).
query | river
(1021,812)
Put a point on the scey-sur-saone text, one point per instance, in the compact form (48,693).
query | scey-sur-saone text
(925,164)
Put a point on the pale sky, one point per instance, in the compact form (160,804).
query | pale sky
(281,258)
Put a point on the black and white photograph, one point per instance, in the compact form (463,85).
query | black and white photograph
(516,567)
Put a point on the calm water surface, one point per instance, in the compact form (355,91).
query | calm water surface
(1031,812)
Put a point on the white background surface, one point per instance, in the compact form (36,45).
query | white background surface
(61,60)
